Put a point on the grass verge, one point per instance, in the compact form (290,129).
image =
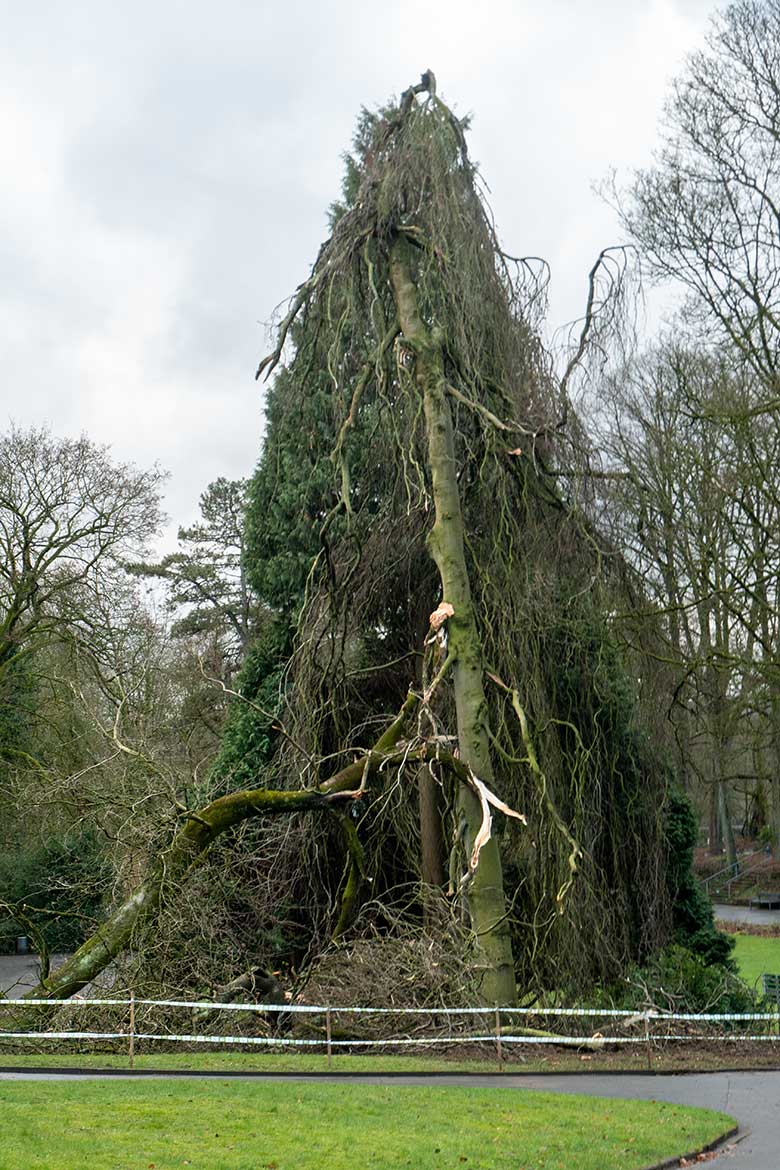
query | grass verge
(250,1062)
(694,1057)
(130,1125)
(756,955)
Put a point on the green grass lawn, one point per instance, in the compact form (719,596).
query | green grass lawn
(131,1125)
(272,1062)
(756,956)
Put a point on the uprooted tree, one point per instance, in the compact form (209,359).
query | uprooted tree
(441,649)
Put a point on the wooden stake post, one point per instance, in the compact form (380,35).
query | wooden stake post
(131,1039)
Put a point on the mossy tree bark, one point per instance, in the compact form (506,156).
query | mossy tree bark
(485,890)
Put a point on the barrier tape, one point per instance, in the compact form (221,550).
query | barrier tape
(291,1009)
(273,1041)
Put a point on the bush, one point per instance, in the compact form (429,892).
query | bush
(690,983)
(58,884)
(680,980)
(692,917)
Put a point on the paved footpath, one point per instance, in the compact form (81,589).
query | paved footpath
(746,914)
(753,1098)
(19,973)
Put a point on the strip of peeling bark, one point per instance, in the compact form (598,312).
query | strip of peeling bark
(485,890)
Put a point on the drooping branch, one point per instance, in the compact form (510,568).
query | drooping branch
(269,363)
(368,369)
(532,760)
(354,875)
(606,294)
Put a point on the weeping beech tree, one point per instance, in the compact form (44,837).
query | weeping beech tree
(420,458)
(418,521)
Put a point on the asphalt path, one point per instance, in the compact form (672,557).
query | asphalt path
(18,973)
(752,1098)
(747,914)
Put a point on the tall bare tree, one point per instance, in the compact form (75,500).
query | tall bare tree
(697,511)
(68,516)
(707,214)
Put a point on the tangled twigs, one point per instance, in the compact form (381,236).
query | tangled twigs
(191,844)
(195,837)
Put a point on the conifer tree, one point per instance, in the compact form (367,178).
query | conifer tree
(412,466)
(417,522)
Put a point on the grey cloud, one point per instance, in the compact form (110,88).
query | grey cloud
(194,149)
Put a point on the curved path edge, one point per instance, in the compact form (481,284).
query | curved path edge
(716,1144)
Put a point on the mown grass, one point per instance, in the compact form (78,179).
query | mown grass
(237,1125)
(270,1062)
(755,956)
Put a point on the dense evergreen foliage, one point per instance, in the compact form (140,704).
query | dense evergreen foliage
(693,920)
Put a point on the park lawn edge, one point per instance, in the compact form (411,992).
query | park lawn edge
(572,1125)
(755,955)
(249,1064)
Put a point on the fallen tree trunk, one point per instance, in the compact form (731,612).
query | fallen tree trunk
(191,844)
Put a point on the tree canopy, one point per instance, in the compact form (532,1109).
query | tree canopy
(706,214)
(68,515)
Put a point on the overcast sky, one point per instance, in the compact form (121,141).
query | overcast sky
(167,168)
